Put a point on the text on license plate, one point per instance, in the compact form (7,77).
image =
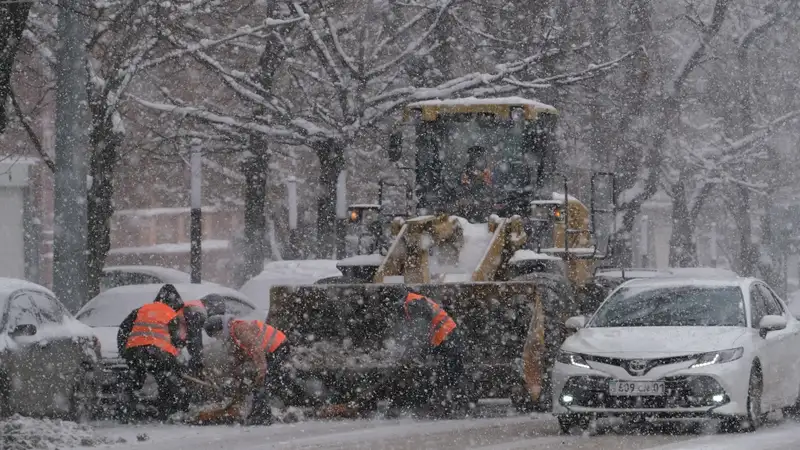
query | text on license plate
(637,388)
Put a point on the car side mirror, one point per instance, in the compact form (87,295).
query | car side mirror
(395,149)
(24,330)
(771,323)
(575,323)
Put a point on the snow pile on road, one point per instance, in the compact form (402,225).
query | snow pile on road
(23,433)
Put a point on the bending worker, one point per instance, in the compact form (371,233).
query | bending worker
(148,340)
(433,333)
(192,317)
(253,341)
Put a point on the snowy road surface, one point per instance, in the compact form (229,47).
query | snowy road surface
(530,432)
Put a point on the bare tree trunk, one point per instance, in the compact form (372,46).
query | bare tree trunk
(106,142)
(13,17)
(331,162)
(748,252)
(635,93)
(255,169)
(682,248)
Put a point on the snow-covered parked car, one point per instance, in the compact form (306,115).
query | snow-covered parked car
(723,348)
(116,276)
(105,312)
(48,359)
(287,272)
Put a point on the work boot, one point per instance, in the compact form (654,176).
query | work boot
(263,417)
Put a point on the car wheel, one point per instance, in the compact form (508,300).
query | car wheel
(752,421)
(570,422)
(83,399)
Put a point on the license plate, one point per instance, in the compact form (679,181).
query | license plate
(637,388)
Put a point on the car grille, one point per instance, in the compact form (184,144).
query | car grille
(681,392)
(644,365)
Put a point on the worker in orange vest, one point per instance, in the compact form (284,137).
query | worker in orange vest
(431,333)
(149,340)
(253,341)
(191,318)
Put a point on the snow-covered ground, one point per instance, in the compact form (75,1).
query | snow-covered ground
(23,433)
(539,431)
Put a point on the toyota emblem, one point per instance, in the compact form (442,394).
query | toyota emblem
(638,366)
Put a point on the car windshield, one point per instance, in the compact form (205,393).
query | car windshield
(111,310)
(673,306)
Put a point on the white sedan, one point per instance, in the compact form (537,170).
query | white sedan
(672,348)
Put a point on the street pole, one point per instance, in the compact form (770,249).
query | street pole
(341,213)
(713,245)
(291,191)
(72,143)
(196,224)
(644,241)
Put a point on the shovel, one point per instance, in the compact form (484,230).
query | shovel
(227,414)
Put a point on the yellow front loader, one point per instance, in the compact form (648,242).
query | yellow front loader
(505,252)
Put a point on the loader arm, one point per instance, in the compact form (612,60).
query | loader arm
(508,237)
(393,263)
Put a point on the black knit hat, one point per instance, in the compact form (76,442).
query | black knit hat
(170,297)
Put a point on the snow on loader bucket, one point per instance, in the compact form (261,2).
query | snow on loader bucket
(345,337)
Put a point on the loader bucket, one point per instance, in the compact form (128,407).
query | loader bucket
(345,337)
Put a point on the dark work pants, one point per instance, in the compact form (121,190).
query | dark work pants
(194,342)
(440,390)
(278,384)
(164,367)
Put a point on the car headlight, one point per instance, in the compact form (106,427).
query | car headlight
(722,356)
(572,359)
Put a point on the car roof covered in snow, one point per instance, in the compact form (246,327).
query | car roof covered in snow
(167,274)
(130,297)
(188,291)
(288,273)
(10,285)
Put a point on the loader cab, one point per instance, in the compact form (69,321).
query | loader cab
(364,229)
(516,158)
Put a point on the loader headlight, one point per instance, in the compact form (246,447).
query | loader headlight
(720,357)
(572,359)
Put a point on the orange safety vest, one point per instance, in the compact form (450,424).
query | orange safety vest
(151,327)
(182,327)
(486,174)
(270,338)
(441,324)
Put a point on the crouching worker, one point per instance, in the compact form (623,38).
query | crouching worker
(253,341)
(433,335)
(192,317)
(148,340)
